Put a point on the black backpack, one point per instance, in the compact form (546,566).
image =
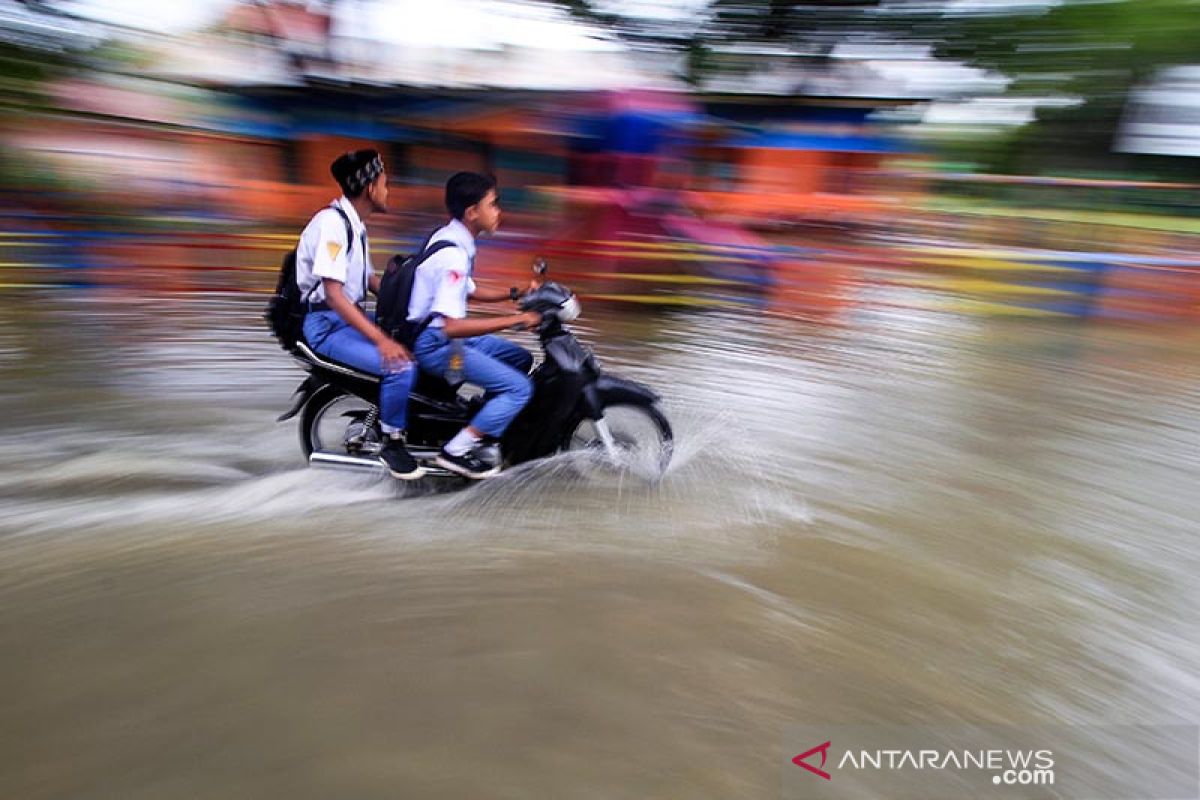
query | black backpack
(286,309)
(395,291)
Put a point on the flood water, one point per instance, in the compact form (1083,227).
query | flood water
(898,517)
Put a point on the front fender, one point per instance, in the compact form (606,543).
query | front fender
(609,390)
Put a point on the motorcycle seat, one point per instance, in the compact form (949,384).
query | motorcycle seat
(428,384)
(304,353)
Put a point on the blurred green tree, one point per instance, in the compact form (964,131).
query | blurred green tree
(38,41)
(810,30)
(1092,52)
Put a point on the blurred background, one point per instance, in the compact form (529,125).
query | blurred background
(918,281)
(780,147)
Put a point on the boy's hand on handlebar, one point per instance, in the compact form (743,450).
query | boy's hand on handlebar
(531,319)
(393,354)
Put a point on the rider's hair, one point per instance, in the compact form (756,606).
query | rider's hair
(465,189)
(354,171)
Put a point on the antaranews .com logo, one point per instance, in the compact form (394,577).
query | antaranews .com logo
(1063,762)
(1009,767)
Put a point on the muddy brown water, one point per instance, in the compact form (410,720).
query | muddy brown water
(903,517)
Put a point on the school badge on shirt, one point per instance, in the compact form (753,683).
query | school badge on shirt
(334,248)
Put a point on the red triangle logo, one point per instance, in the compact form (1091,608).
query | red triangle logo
(823,749)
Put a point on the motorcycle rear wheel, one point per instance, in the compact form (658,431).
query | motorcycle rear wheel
(641,433)
(325,419)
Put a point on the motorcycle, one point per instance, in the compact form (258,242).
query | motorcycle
(575,406)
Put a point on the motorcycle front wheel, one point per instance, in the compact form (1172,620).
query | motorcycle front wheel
(640,435)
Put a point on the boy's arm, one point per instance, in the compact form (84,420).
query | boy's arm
(393,354)
(494,294)
(498,295)
(463,328)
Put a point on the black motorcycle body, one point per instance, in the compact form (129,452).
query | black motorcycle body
(567,410)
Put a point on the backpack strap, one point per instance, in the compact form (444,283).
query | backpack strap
(427,250)
(349,249)
(349,228)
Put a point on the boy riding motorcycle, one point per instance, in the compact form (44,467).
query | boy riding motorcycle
(334,274)
(462,348)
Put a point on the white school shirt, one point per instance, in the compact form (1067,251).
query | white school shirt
(443,282)
(322,250)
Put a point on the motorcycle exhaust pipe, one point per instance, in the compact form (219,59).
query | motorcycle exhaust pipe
(368,462)
(340,460)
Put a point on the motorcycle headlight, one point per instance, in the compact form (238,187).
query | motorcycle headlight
(569,309)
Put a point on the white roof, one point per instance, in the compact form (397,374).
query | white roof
(450,43)
(1163,117)
(24,27)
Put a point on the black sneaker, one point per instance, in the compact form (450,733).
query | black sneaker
(468,465)
(488,451)
(400,463)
